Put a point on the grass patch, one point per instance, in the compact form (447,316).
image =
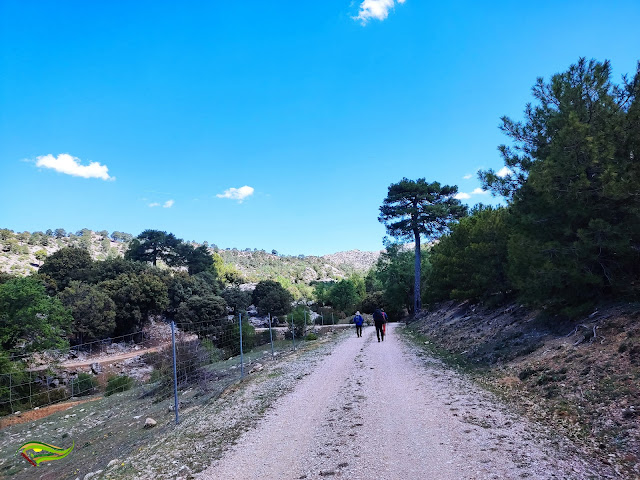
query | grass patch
(118,384)
(427,344)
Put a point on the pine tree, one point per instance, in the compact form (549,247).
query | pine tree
(415,208)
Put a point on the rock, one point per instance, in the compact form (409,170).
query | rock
(18,413)
(96,368)
(256,368)
(113,462)
(92,474)
(150,423)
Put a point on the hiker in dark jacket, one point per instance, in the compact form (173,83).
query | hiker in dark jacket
(358,320)
(386,320)
(378,319)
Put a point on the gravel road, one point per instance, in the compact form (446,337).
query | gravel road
(384,410)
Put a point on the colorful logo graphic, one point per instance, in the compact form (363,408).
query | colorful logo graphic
(37,452)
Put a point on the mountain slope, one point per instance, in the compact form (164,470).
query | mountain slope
(18,256)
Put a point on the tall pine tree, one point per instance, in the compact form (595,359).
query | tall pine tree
(415,208)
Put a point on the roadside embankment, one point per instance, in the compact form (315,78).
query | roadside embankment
(582,378)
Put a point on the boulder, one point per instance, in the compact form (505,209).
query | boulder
(150,423)
(256,368)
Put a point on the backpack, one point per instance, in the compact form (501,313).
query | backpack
(358,320)
(377,315)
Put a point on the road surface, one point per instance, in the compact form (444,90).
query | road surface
(383,410)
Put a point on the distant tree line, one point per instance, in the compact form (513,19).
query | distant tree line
(74,299)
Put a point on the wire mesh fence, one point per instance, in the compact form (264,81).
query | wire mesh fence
(43,378)
(208,354)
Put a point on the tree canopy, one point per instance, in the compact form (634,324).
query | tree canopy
(271,297)
(573,184)
(415,208)
(29,319)
(93,311)
(153,245)
(136,296)
(66,265)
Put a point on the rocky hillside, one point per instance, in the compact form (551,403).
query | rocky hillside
(256,265)
(23,252)
(581,378)
(354,259)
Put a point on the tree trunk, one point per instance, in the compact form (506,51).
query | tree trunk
(417,304)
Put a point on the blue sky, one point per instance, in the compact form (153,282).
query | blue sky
(275,125)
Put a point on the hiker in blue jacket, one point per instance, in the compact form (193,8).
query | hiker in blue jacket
(358,320)
(378,319)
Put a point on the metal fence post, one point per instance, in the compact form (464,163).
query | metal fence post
(271,336)
(241,352)
(305,323)
(332,321)
(10,388)
(175,371)
(293,332)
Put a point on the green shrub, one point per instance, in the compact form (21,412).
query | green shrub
(84,384)
(263,338)
(215,353)
(47,397)
(311,336)
(117,384)
(300,316)
(191,357)
(232,338)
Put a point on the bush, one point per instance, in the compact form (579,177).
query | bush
(84,384)
(118,384)
(191,356)
(263,338)
(215,353)
(270,297)
(311,336)
(232,338)
(298,316)
(50,396)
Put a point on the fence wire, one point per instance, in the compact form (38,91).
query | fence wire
(209,354)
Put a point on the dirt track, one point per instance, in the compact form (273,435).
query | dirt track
(378,410)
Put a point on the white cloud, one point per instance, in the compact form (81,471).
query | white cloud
(468,176)
(237,193)
(167,204)
(65,163)
(503,172)
(375,9)
(467,196)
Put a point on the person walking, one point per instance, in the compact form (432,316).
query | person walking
(386,319)
(378,319)
(358,320)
